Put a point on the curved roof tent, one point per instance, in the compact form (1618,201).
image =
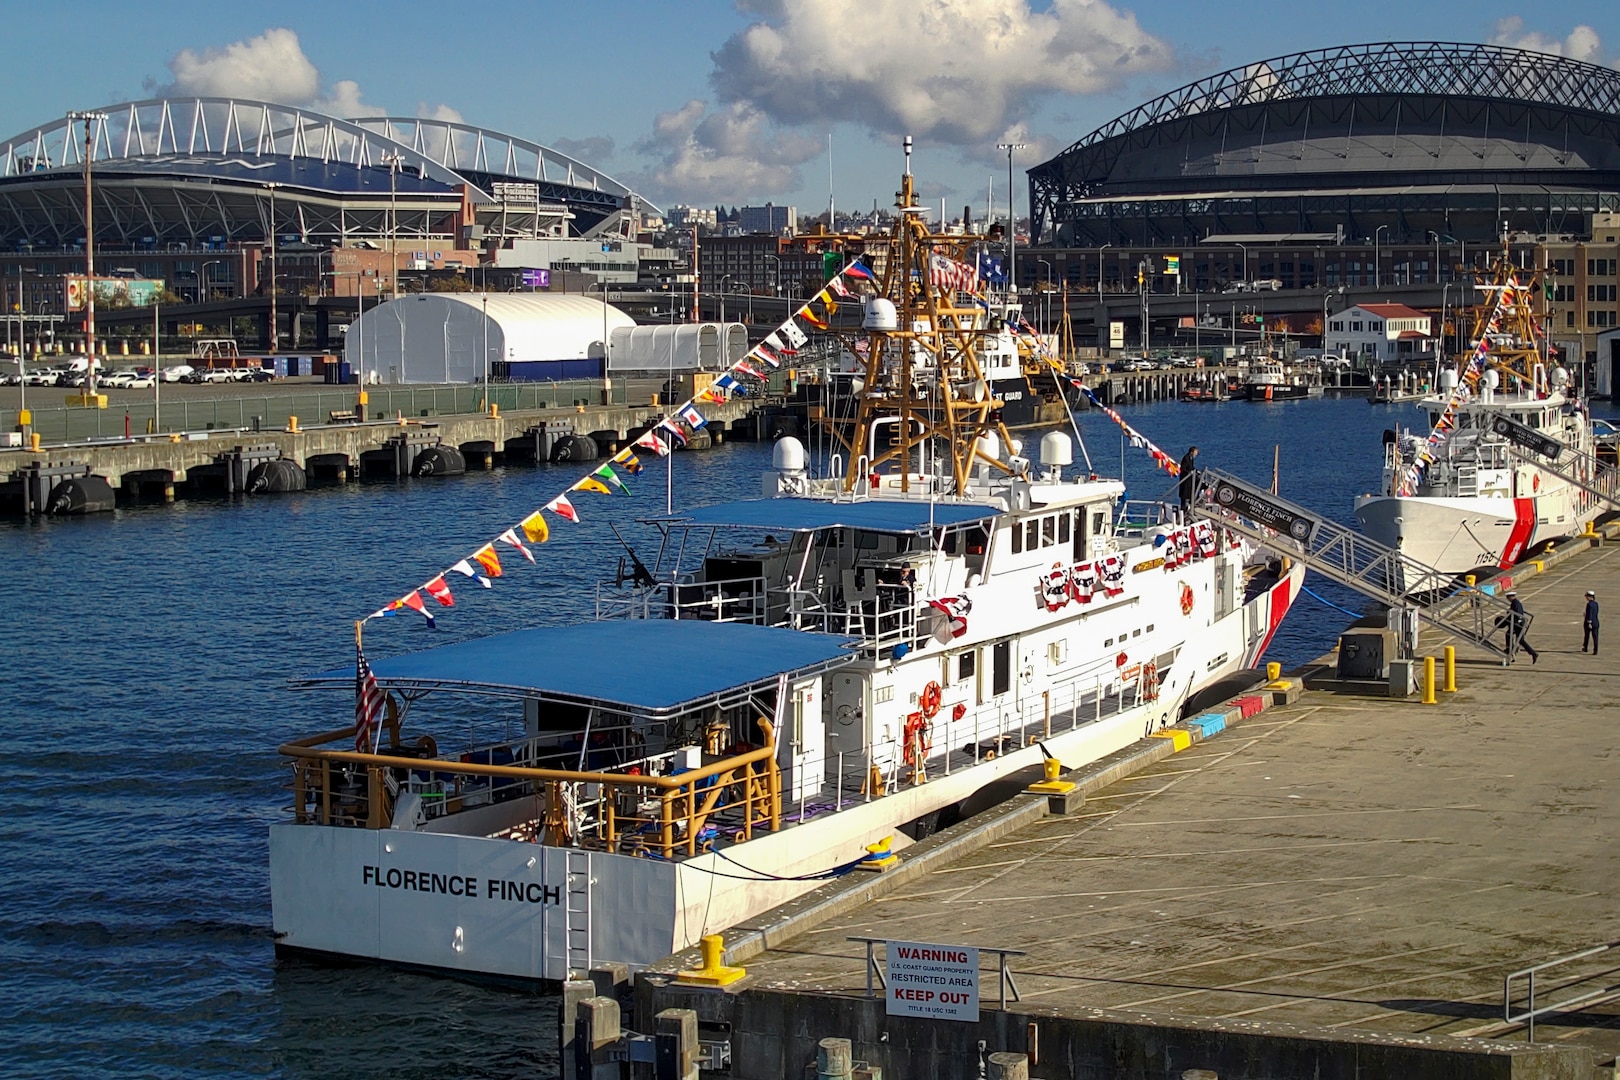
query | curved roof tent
(441,337)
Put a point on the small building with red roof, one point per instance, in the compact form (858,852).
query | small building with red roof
(1381,334)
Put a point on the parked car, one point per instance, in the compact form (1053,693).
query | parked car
(177,373)
(258,374)
(43,377)
(118,378)
(141,382)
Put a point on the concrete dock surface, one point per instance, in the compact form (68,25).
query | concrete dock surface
(1360,865)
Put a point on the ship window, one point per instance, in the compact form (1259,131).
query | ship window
(1136,633)
(965,666)
(1096,524)
(1001,669)
(1017,540)
(1032,534)
(1150,628)
(1048,530)
(1107,643)
(1063,528)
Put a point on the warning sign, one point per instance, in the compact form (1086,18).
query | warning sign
(941,981)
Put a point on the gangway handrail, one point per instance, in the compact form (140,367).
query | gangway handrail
(1350,558)
(1528,1016)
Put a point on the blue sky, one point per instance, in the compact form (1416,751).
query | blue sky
(712,101)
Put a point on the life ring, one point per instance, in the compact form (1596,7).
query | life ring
(1150,681)
(930,700)
(919,736)
(1187,599)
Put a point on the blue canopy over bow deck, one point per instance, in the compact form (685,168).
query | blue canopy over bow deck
(652,667)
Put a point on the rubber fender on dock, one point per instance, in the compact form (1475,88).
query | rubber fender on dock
(439,461)
(80,495)
(275,477)
(575,448)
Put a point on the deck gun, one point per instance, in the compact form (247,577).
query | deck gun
(638,572)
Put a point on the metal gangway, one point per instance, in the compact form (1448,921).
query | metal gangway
(1352,559)
(1580,470)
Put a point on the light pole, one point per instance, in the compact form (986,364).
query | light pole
(1142,289)
(1243,273)
(207,290)
(392,160)
(157,364)
(484,300)
(275,337)
(89,119)
(607,345)
(1012,219)
(776,275)
(1376,278)
(1440,338)
(1436,257)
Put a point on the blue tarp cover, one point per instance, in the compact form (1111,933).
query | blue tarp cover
(879,515)
(644,664)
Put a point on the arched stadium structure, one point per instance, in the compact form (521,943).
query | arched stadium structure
(207,171)
(1449,140)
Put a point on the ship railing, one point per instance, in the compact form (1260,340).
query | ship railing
(667,816)
(1138,517)
(732,600)
(887,619)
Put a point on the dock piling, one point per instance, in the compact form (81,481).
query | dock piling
(1451,669)
(1428,681)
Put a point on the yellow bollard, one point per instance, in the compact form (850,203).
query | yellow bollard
(1273,671)
(1053,782)
(713,972)
(494,410)
(292,424)
(1428,681)
(1468,579)
(1451,669)
(33,441)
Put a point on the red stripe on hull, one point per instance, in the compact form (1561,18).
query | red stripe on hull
(1278,601)
(1524,525)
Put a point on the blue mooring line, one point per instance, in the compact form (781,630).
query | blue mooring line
(1306,590)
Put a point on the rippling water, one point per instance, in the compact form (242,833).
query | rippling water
(145,656)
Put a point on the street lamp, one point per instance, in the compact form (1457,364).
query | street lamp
(1012,219)
(208,292)
(1243,275)
(1376,279)
(607,344)
(776,275)
(89,119)
(392,160)
(1047,300)
(275,337)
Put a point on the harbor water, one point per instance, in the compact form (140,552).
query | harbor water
(145,662)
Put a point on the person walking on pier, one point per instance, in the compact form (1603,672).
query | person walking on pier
(1589,623)
(1517,621)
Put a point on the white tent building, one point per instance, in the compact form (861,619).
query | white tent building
(447,337)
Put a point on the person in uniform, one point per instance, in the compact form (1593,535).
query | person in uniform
(1188,466)
(1589,623)
(1517,621)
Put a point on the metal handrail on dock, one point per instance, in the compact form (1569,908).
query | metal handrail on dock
(1590,997)
(1004,973)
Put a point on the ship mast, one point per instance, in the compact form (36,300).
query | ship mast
(922,374)
(1515,348)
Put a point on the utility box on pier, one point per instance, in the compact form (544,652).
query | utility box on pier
(1366,653)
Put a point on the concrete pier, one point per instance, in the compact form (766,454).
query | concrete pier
(1335,887)
(148,467)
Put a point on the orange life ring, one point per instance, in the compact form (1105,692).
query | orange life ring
(930,700)
(1150,681)
(1187,599)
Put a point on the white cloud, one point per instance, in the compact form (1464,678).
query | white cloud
(955,71)
(592,150)
(1582,43)
(272,67)
(728,154)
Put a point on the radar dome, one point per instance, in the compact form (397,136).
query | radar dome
(1056,449)
(880,315)
(788,455)
(1448,380)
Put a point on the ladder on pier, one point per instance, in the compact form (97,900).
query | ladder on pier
(577,911)
(1351,559)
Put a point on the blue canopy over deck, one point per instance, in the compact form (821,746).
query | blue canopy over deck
(649,666)
(798,515)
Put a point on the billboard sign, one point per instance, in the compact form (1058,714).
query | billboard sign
(115,292)
(1116,335)
(936,981)
(537,279)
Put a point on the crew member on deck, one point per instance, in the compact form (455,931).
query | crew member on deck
(1189,465)
(1517,621)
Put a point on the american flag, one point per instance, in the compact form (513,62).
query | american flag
(368,704)
(949,274)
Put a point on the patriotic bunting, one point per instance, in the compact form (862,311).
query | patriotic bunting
(440,592)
